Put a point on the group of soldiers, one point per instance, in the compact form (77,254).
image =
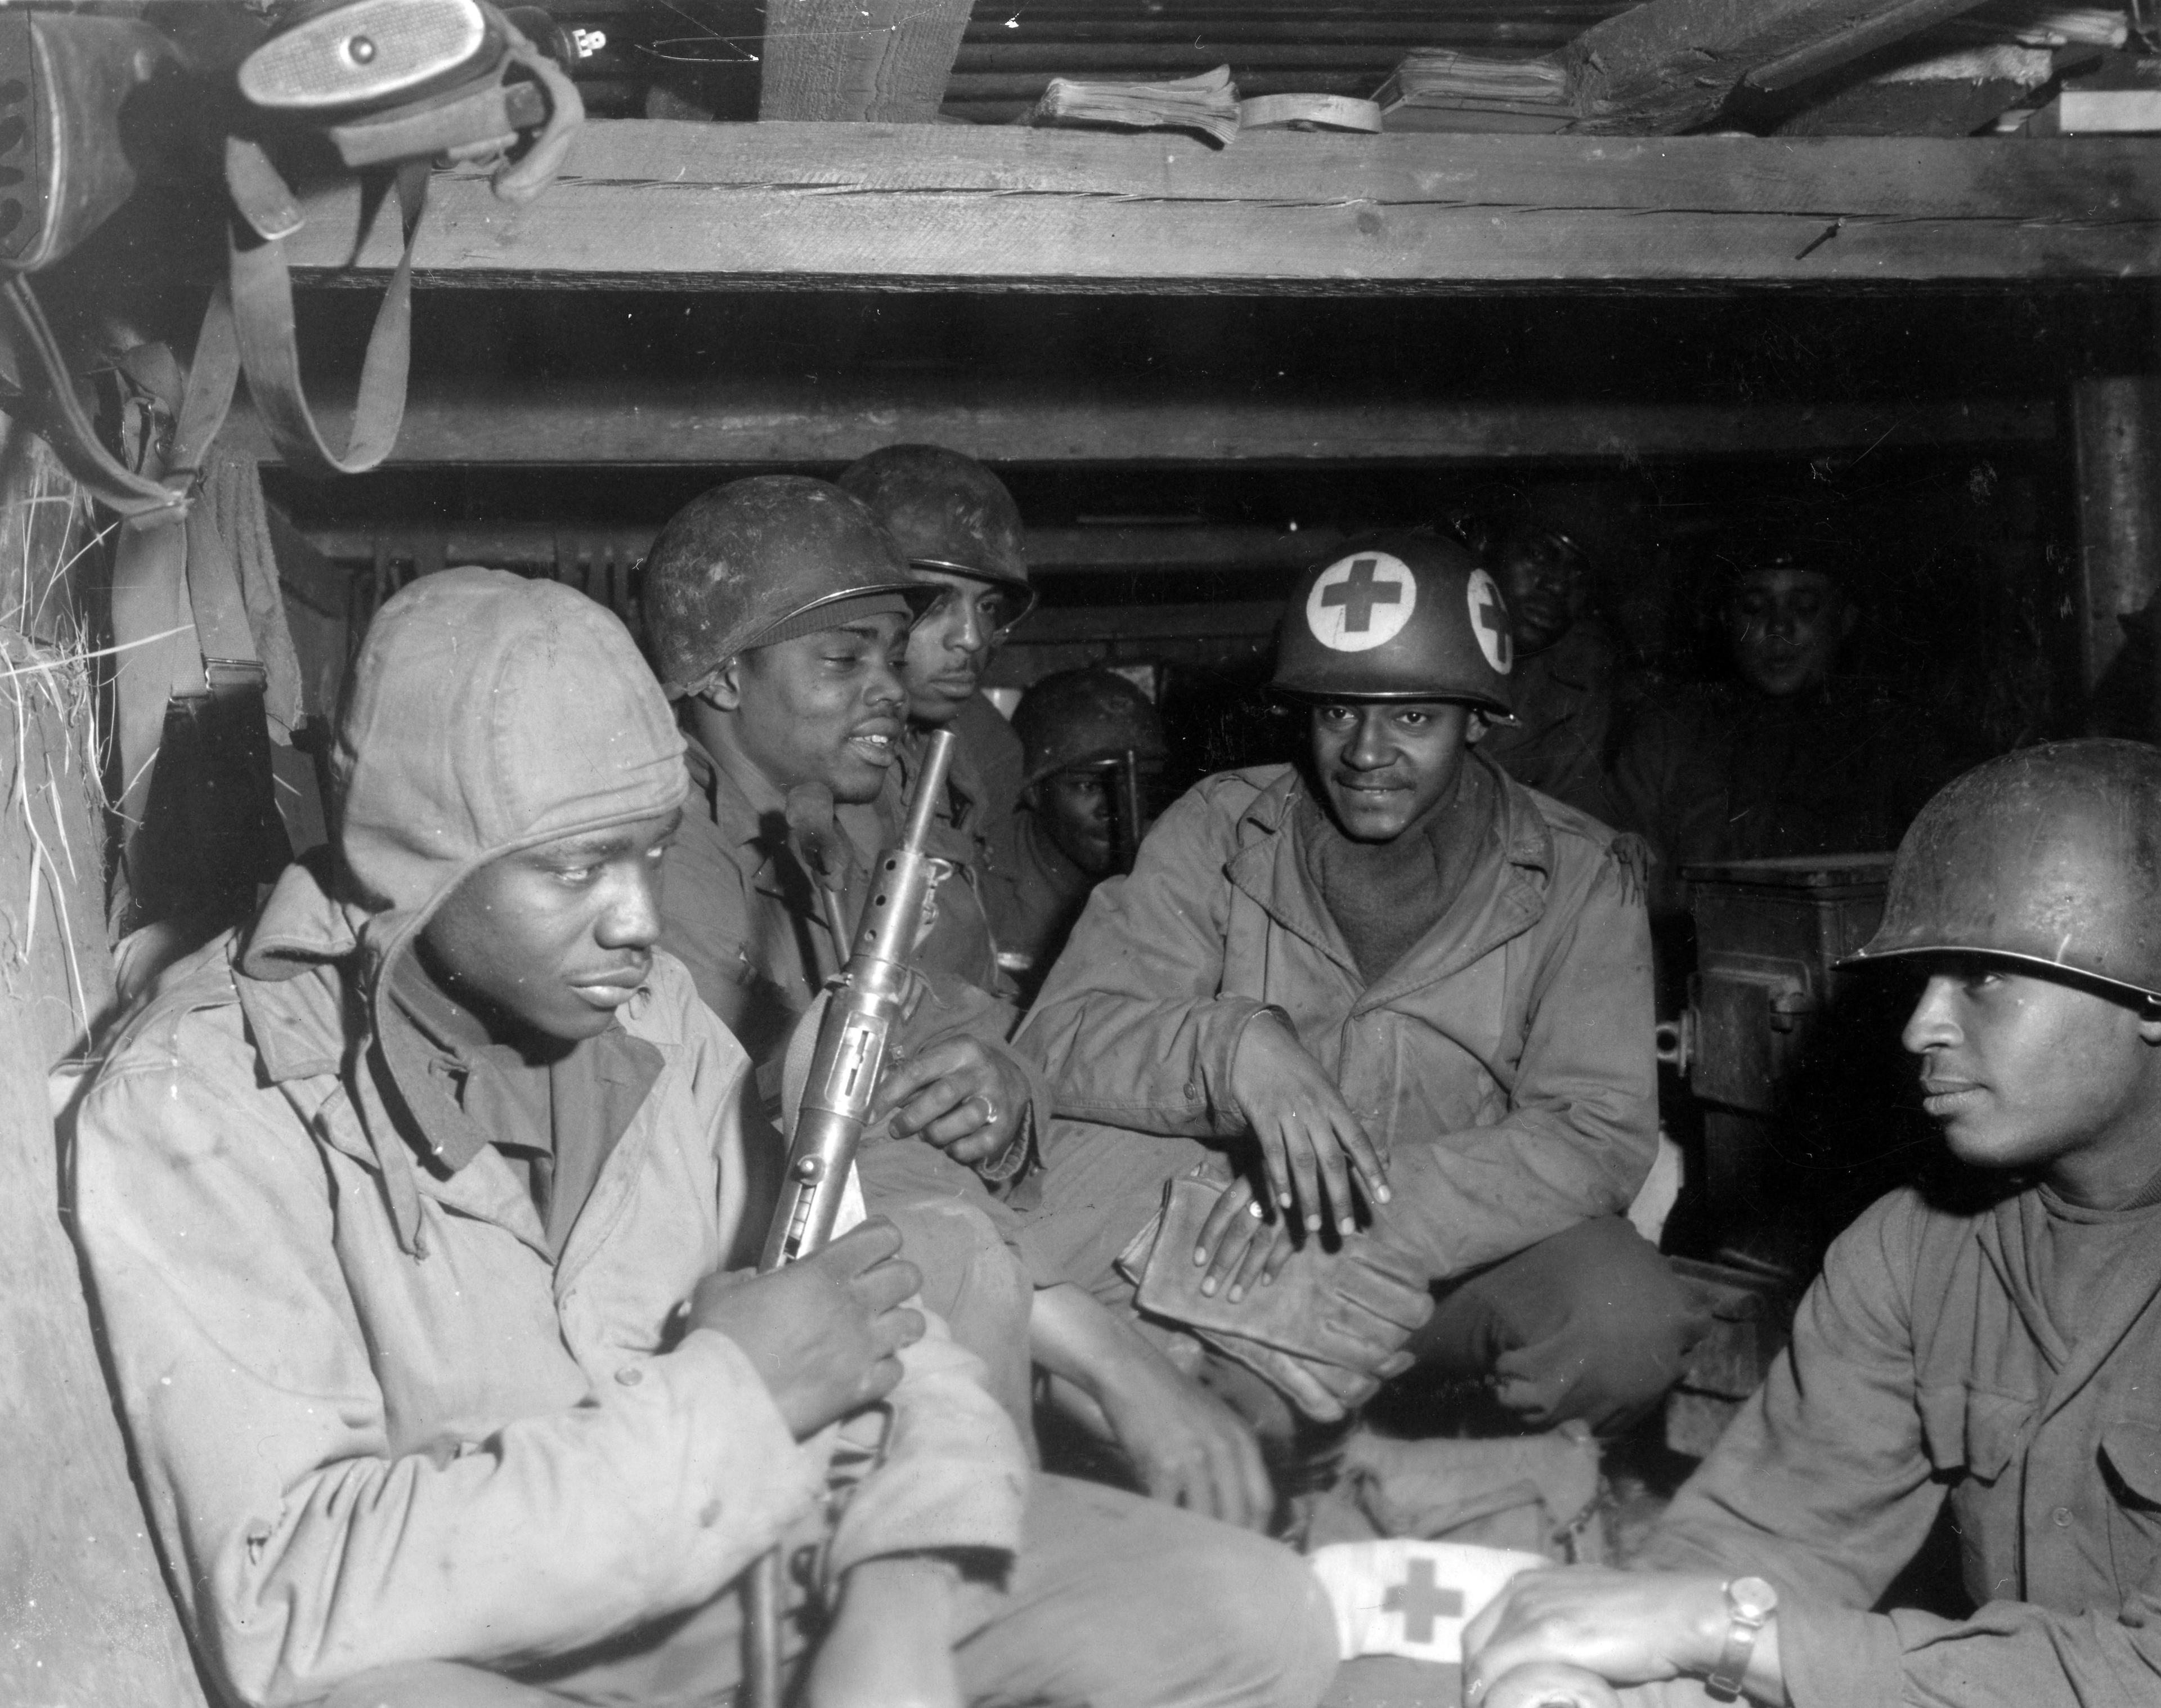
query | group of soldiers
(420,1210)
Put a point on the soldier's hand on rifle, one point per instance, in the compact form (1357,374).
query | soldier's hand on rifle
(1304,1129)
(958,1094)
(824,1333)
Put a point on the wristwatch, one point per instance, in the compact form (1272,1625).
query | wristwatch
(1751,1604)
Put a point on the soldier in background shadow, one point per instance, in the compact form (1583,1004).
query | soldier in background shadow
(1569,666)
(1790,759)
(1078,729)
(957,528)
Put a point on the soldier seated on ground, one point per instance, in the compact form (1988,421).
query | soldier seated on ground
(1563,686)
(1393,1008)
(1090,743)
(958,529)
(405,1208)
(779,613)
(1988,1341)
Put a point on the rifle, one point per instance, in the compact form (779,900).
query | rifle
(854,1034)
(1126,813)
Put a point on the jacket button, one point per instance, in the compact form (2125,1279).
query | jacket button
(2062,1516)
(630,1376)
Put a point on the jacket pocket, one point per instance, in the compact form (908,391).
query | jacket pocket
(2131,1448)
(1972,1429)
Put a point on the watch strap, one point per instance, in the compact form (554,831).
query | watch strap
(1744,1622)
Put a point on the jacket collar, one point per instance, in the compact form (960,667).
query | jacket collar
(728,804)
(1503,897)
(2009,1234)
(296,968)
(297,974)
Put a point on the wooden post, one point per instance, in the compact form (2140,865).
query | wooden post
(2115,423)
(85,1618)
(1668,65)
(883,61)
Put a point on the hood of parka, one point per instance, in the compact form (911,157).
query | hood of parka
(485,714)
(488,714)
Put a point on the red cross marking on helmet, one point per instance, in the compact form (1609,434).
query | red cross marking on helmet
(1495,622)
(1358,593)
(1421,1600)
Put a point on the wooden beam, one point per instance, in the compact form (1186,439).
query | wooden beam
(1059,551)
(1670,65)
(885,60)
(723,422)
(659,205)
(2117,425)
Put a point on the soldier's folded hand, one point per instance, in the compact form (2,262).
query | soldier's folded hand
(1188,1447)
(958,1094)
(1628,1628)
(824,1334)
(1304,1129)
(1241,1245)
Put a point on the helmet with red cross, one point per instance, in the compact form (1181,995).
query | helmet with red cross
(1398,616)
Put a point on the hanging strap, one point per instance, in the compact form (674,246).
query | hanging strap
(263,310)
(49,403)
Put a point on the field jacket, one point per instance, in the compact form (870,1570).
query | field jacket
(1514,1039)
(355,1456)
(1925,1369)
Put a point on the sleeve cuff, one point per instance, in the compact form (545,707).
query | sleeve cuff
(1836,1658)
(1232,1016)
(1014,1161)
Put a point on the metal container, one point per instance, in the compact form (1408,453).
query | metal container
(1769,934)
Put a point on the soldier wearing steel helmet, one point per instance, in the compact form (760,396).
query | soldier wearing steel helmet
(780,612)
(960,533)
(1990,1342)
(1090,741)
(1395,1008)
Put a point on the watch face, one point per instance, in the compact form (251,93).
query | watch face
(1753,1598)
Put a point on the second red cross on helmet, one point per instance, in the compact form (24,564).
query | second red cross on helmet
(1489,621)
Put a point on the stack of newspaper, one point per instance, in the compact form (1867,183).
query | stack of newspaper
(1207,104)
(1436,90)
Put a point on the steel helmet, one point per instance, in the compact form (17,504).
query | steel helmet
(946,511)
(1085,717)
(762,561)
(2050,856)
(1399,617)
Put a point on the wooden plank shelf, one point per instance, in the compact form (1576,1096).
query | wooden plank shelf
(659,205)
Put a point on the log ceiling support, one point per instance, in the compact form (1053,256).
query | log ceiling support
(1668,65)
(2115,423)
(725,421)
(660,205)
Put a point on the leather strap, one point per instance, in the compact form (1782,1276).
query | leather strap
(47,401)
(269,351)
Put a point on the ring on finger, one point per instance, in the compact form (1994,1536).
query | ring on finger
(990,1108)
